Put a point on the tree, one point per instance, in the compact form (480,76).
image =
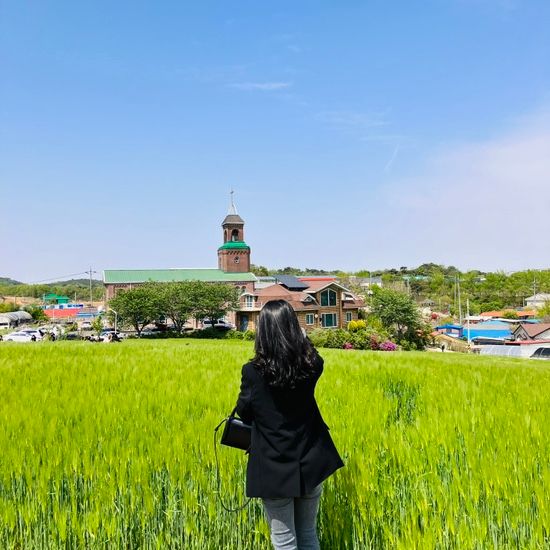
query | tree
(396,310)
(259,270)
(213,300)
(510,314)
(8,307)
(544,312)
(139,306)
(179,301)
(97,325)
(37,313)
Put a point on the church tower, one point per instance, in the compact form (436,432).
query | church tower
(234,253)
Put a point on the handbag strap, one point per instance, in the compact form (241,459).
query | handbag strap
(218,479)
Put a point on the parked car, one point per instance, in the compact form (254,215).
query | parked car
(20,336)
(86,325)
(220,324)
(37,333)
(541,353)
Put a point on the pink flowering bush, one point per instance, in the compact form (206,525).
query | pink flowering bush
(387,346)
(348,345)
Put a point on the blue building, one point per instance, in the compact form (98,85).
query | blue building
(489,329)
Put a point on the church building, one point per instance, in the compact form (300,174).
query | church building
(318,302)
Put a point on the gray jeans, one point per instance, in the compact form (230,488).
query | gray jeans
(293,521)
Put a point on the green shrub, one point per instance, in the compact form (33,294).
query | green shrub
(240,335)
(337,338)
(365,339)
(318,337)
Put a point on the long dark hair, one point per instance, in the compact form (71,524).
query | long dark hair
(284,355)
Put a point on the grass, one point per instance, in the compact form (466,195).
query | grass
(110,446)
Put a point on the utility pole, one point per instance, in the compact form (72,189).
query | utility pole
(454,296)
(91,293)
(468,319)
(459,302)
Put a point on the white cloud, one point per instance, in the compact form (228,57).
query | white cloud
(484,204)
(261,86)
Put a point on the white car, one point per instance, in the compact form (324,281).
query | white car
(19,336)
(37,333)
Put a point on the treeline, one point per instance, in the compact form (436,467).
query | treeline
(76,289)
(176,302)
(446,286)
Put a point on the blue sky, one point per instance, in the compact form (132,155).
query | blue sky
(356,134)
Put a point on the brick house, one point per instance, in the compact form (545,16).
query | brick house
(318,304)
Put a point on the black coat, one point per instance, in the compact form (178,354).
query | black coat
(291,450)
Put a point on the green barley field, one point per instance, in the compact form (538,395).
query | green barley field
(111,446)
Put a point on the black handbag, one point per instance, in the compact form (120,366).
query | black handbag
(236,433)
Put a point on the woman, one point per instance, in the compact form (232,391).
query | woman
(291,451)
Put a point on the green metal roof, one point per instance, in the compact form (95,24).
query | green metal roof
(232,245)
(125,276)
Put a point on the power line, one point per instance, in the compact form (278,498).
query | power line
(58,278)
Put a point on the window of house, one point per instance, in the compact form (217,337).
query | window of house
(349,316)
(328,297)
(310,319)
(249,301)
(329,320)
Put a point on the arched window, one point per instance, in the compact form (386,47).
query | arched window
(328,297)
(235,235)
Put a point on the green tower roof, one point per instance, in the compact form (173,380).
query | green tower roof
(233,245)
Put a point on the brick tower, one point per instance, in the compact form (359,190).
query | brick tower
(234,253)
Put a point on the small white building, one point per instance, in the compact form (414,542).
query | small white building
(537,300)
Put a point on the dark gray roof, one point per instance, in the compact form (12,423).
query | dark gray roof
(232,218)
(291,282)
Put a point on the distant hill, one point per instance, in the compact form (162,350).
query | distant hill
(8,281)
(70,282)
(77,282)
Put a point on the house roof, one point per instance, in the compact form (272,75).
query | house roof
(297,299)
(300,300)
(534,330)
(308,278)
(321,284)
(353,304)
(501,312)
(492,325)
(128,276)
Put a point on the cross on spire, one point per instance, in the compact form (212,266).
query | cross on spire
(232,207)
